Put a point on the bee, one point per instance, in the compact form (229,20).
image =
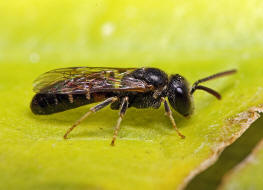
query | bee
(67,88)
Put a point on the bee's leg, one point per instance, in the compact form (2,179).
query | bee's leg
(169,114)
(92,110)
(124,106)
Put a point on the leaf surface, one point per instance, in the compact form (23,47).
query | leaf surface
(194,39)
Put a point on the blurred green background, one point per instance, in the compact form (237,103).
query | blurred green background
(129,32)
(193,38)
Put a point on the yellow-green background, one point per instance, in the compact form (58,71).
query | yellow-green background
(193,38)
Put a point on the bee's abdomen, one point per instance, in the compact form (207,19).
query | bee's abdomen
(44,104)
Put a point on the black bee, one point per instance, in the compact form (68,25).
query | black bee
(67,88)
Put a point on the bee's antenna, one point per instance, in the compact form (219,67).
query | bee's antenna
(196,85)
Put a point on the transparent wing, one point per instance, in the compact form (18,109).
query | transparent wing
(79,80)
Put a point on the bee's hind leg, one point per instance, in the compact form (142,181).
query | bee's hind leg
(92,110)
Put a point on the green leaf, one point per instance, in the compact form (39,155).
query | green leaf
(195,39)
(211,178)
(247,174)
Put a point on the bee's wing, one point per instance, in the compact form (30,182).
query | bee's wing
(80,80)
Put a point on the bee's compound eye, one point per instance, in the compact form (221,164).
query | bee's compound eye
(179,95)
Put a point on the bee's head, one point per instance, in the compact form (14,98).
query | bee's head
(180,94)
